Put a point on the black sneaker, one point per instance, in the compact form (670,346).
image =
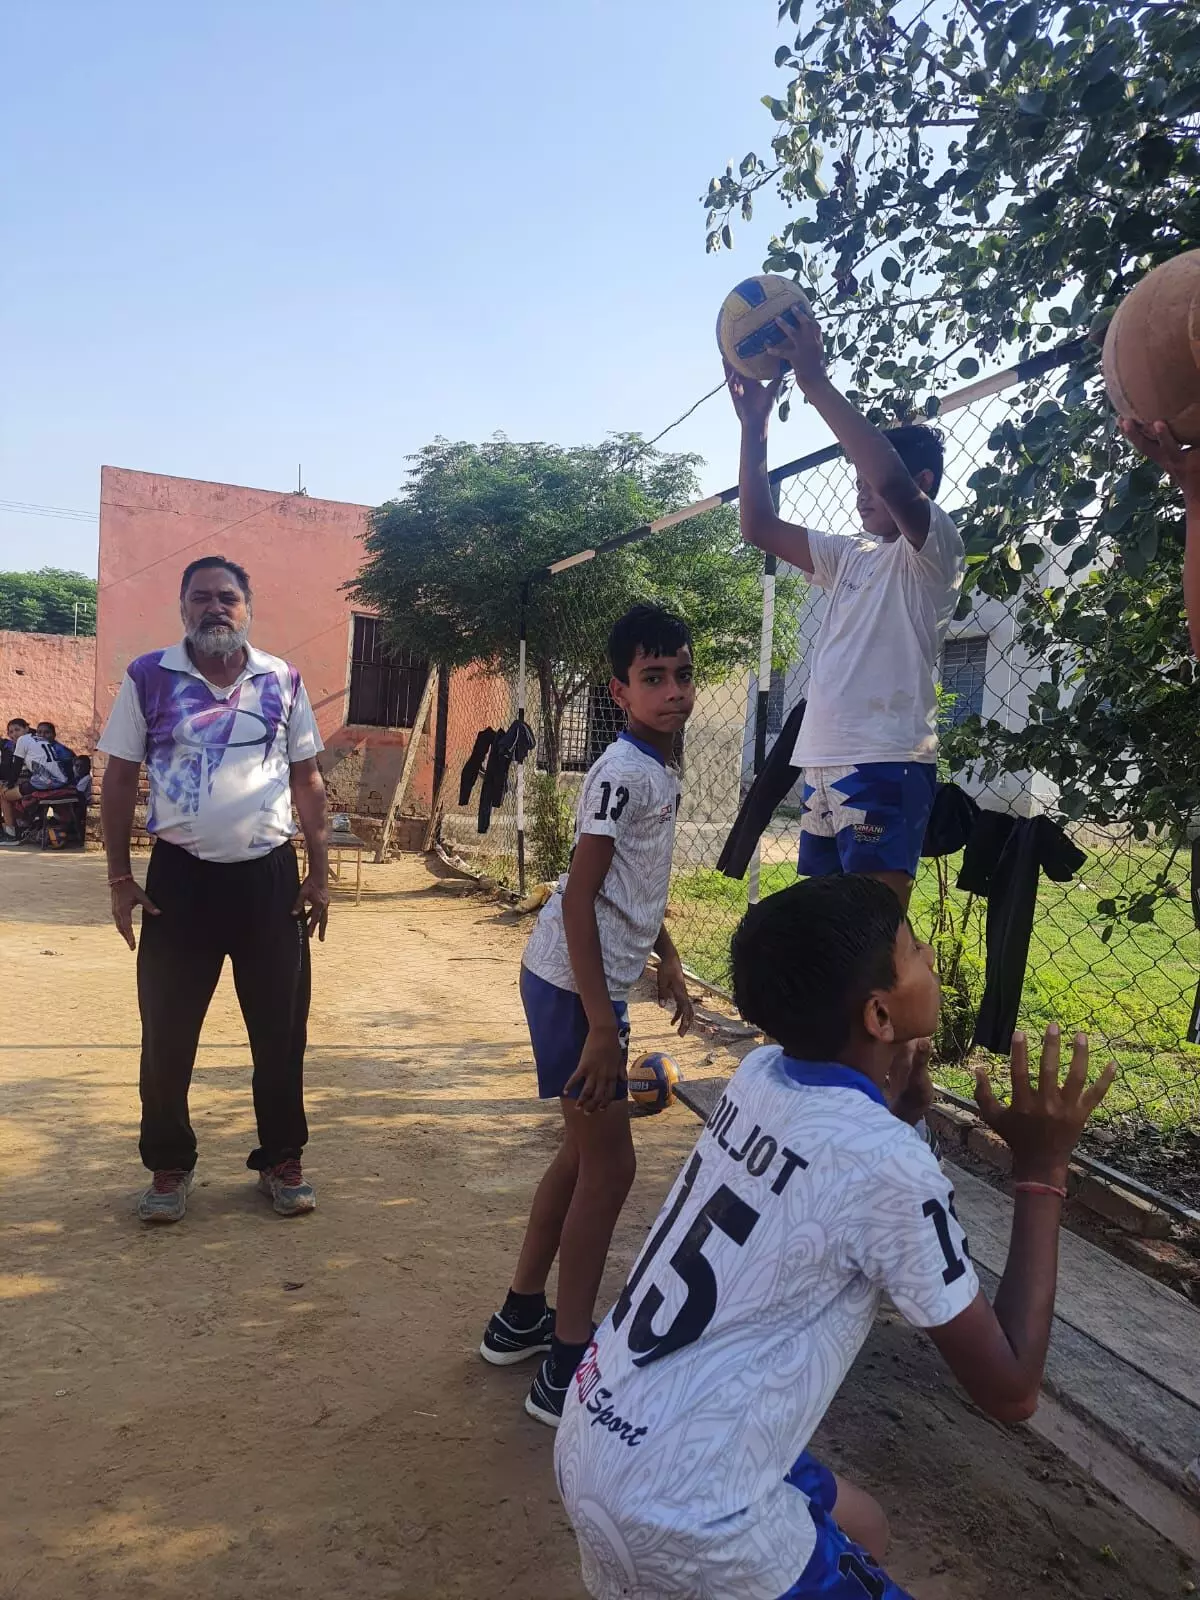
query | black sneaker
(503,1344)
(545,1399)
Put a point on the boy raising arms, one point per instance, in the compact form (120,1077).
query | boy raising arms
(682,1457)
(868,742)
(587,950)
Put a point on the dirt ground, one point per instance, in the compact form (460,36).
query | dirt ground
(246,1405)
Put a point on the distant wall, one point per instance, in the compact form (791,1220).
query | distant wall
(49,677)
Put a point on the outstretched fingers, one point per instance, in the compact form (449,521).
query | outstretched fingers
(1091,1097)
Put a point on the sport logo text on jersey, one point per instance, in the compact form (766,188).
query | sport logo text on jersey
(594,1400)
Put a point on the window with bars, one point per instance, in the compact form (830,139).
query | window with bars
(964,669)
(386,684)
(591,721)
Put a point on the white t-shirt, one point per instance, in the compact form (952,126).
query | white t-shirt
(45,769)
(631,796)
(871,694)
(218,759)
(804,1200)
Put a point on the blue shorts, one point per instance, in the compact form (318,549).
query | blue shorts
(838,1569)
(558,1026)
(869,818)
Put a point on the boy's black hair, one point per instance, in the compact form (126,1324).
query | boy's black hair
(806,959)
(653,630)
(919,447)
(17,722)
(193,567)
(53,730)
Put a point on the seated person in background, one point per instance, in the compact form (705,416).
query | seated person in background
(682,1457)
(10,767)
(81,771)
(43,765)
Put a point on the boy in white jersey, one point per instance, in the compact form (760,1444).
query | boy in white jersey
(587,950)
(682,1456)
(868,742)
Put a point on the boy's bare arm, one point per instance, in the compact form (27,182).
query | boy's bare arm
(761,524)
(601,1065)
(1183,464)
(998,1351)
(865,446)
(672,982)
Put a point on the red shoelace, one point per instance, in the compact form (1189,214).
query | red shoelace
(168,1182)
(289,1174)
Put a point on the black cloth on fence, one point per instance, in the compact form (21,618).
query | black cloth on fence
(1002,860)
(1193,1032)
(512,745)
(951,822)
(768,790)
(473,765)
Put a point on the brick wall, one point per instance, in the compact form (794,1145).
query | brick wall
(50,677)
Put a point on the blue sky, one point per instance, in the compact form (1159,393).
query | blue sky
(254,233)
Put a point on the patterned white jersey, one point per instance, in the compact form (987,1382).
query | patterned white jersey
(803,1201)
(630,796)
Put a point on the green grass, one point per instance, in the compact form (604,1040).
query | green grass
(1133,994)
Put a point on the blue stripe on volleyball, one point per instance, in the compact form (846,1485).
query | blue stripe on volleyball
(762,339)
(752,292)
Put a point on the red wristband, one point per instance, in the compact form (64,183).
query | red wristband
(1040,1188)
(125,877)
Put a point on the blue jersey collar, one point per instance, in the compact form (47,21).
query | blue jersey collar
(830,1075)
(640,744)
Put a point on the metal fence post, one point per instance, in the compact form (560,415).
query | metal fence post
(521,763)
(766,652)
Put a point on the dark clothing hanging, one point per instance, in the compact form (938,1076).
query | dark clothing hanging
(769,789)
(951,821)
(1002,860)
(513,745)
(473,765)
(1193,1032)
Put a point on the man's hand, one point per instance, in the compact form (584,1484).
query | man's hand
(1042,1126)
(125,896)
(915,1099)
(1161,446)
(315,896)
(803,348)
(672,990)
(601,1068)
(752,401)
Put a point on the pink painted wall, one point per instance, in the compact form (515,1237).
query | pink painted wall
(298,552)
(49,677)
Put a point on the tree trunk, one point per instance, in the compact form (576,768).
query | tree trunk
(551,719)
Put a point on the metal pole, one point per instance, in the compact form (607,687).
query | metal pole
(521,764)
(766,643)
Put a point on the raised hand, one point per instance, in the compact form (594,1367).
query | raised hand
(1042,1126)
(803,348)
(1160,445)
(752,400)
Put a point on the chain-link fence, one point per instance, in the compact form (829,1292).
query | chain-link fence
(1130,985)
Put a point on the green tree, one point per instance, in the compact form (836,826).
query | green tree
(45,601)
(978,181)
(446,559)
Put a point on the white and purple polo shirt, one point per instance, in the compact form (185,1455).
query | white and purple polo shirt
(218,760)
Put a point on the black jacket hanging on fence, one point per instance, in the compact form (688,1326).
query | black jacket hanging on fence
(1002,860)
(769,789)
(952,820)
(473,765)
(513,745)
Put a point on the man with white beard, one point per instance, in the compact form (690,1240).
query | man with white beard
(229,742)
